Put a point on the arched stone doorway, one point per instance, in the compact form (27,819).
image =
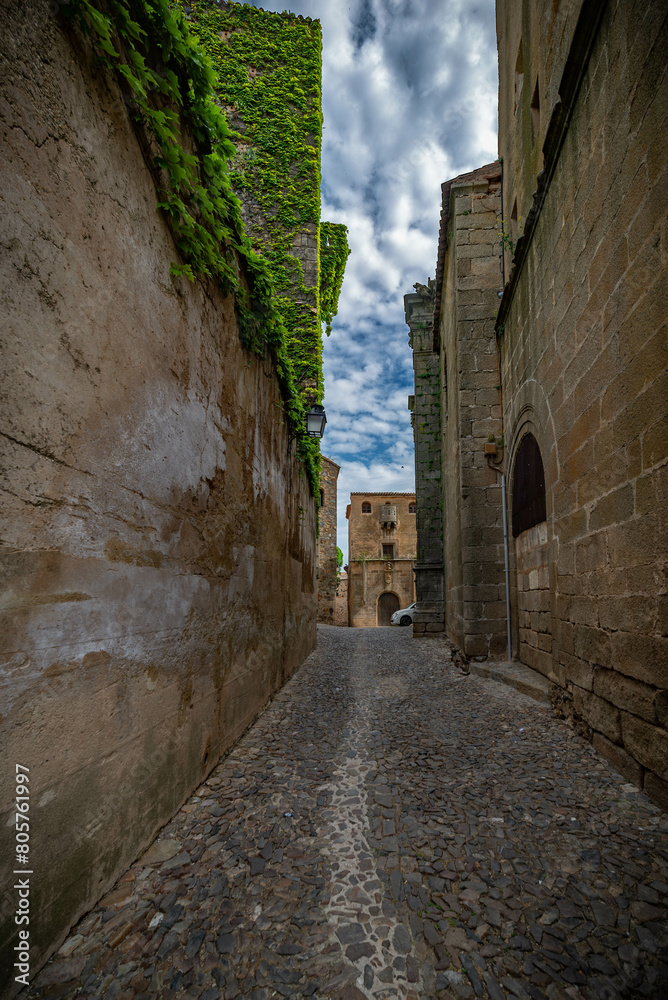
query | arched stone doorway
(388,603)
(529,526)
(528,486)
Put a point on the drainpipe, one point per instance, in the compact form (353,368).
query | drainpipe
(503,233)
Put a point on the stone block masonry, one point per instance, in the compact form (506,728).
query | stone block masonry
(457,410)
(327,568)
(471,406)
(341,606)
(563,384)
(583,330)
(429,615)
(158,544)
(534,620)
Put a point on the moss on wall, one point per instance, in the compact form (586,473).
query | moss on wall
(229,99)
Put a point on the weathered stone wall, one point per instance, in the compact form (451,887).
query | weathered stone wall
(429,615)
(534,38)
(533,598)
(157,545)
(326,568)
(470,276)
(451,457)
(341,606)
(585,362)
(370,574)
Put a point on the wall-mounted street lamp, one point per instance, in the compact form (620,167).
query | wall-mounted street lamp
(315,421)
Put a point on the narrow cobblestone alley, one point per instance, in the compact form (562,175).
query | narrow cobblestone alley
(390,828)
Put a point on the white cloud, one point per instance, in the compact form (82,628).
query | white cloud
(409,101)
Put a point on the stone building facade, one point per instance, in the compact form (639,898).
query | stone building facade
(583,113)
(158,542)
(559,401)
(381,556)
(456,411)
(326,546)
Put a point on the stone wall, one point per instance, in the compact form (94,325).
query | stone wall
(341,606)
(534,634)
(371,573)
(326,562)
(534,38)
(158,562)
(467,281)
(429,615)
(585,362)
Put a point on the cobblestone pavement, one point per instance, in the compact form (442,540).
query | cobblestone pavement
(390,828)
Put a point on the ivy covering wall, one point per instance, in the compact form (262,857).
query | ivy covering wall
(229,99)
(269,83)
(334,253)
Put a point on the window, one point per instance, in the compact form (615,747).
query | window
(528,486)
(322,498)
(388,551)
(411,508)
(366,507)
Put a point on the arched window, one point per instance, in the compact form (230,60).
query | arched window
(366,507)
(322,498)
(411,508)
(528,486)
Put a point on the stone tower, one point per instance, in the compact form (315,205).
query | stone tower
(429,616)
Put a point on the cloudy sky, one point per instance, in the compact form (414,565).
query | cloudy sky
(409,100)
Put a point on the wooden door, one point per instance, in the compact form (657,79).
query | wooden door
(387,605)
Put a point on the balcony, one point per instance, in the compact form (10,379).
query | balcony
(388,515)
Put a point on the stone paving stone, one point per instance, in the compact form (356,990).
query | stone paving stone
(390,828)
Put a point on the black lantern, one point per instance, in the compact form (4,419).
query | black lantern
(315,421)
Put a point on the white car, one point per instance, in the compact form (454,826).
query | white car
(403,616)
